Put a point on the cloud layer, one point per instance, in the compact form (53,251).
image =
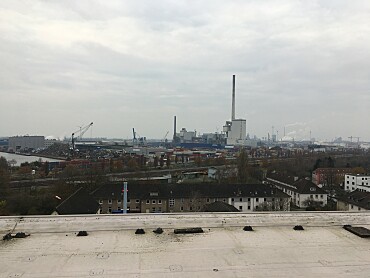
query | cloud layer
(124,64)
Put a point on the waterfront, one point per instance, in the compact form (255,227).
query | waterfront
(24,158)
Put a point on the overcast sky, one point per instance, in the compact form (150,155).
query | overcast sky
(304,65)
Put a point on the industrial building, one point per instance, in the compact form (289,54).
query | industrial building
(236,129)
(26,143)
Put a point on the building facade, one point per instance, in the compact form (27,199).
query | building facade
(357,182)
(354,201)
(155,198)
(329,176)
(24,143)
(303,192)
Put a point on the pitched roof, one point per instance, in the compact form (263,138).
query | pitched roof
(358,198)
(80,202)
(301,186)
(308,187)
(206,190)
(219,207)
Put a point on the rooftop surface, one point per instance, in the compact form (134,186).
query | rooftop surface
(112,249)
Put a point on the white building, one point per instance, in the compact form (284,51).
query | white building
(357,182)
(236,129)
(302,191)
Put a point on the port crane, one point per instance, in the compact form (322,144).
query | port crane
(82,131)
(137,140)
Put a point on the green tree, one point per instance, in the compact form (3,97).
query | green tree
(242,164)
(4,178)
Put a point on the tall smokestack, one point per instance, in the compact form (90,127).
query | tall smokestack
(233,100)
(174,128)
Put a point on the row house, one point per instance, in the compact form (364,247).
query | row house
(167,198)
(354,201)
(301,191)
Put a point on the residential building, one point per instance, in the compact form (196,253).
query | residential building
(329,176)
(191,197)
(357,182)
(302,191)
(354,201)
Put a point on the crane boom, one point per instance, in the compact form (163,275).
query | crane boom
(82,131)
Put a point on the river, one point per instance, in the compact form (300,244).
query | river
(24,158)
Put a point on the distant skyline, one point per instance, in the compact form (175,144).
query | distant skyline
(302,65)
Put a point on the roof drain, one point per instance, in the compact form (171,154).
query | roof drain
(188,231)
(248,229)
(82,233)
(139,232)
(9,236)
(158,231)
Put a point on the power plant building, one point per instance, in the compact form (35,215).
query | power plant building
(236,129)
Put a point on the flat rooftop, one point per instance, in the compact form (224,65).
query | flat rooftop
(112,249)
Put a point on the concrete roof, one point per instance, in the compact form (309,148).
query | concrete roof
(112,249)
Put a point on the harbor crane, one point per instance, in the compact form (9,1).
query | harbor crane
(82,131)
(137,140)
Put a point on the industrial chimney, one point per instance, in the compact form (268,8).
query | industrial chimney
(174,128)
(233,101)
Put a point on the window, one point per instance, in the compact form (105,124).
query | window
(241,199)
(172,202)
(137,201)
(208,200)
(351,206)
(257,199)
(182,200)
(249,199)
(353,183)
(128,200)
(153,209)
(347,182)
(153,201)
(119,201)
(110,210)
(264,199)
(159,201)
(256,207)
(148,201)
(316,196)
(101,202)
(109,201)
(249,207)
(321,196)
(240,207)
(181,208)
(224,200)
(311,196)
(159,209)
(191,208)
(119,208)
